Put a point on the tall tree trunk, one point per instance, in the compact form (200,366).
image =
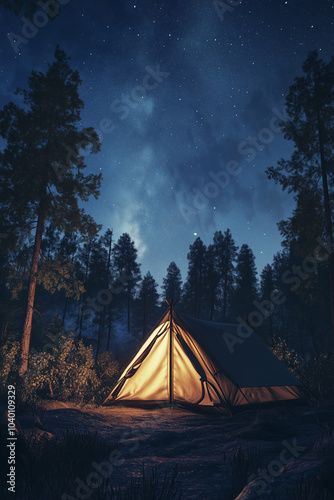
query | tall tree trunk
(66,299)
(64,311)
(99,335)
(271,327)
(26,334)
(144,317)
(85,286)
(225,295)
(109,327)
(107,287)
(81,318)
(212,305)
(313,336)
(200,291)
(129,292)
(4,329)
(328,218)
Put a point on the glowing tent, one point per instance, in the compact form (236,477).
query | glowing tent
(191,363)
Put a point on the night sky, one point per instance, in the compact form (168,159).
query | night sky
(180,94)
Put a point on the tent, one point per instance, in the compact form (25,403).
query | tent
(198,364)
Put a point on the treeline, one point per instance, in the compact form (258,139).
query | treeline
(95,289)
(289,299)
(58,271)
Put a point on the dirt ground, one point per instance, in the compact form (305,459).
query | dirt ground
(202,445)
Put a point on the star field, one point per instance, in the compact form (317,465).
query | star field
(177,93)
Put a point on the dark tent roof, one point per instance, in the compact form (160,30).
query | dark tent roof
(251,364)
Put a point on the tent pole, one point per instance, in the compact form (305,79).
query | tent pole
(171,390)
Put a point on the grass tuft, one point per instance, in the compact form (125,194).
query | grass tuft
(62,467)
(244,463)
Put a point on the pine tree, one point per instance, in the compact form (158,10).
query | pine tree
(50,243)
(43,143)
(147,303)
(211,282)
(194,288)
(225,257)
(68,248)
(310,105)
(125,264)
(99,283)
(246,283)
(83,270)
(282,264)
(303,229)
(301,233)
(172,283)
(106,240)
(266,289)
(96,284)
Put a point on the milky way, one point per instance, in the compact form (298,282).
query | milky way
(186,98)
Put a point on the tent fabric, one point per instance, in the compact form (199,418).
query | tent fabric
(250,364)
(187,362)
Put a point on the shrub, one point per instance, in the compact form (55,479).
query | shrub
(67,372)
(9,355)
(9,360)
(289,357)
(109,371)
(317,374)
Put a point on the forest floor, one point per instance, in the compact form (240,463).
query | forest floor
(216,455)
